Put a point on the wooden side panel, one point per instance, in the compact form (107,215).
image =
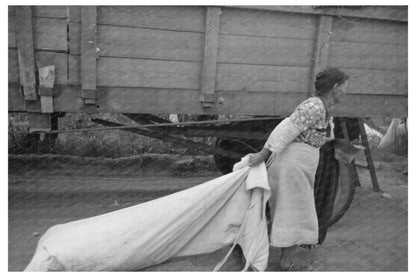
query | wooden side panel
(368,55)
(394,13)
(51,11)
(59,60)
(128,42)
(373,52)
(139,100)
(259,50)
(183,18)
(26,51)
(267,24)
(49,34)
(115,72)
(88,47)
(13,66)
(367,30)
(321,49)
(43,11)
(377,82)
(255,78)
(140,73)
(209,63)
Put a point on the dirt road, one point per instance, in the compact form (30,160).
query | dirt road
(372,235)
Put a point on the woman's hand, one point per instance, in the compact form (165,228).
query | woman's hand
(257,158)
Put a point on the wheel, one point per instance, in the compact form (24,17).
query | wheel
(344,193)
(243,146)
(225,164)
(344,183)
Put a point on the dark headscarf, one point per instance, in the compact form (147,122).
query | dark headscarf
(326,80)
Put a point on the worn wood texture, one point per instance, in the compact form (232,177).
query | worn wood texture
(173,74)
(367,30)
(43,11)
(321,52)
(46,83)
(141,100)
(39,122)
(266,51)
(26,51)
(126,42)
(209,63)
(394,13)
(50,11)
(255,78)
(88,47)
(377,82)
(133,42)
(59,60)
(183,18)
(49,27)
(141,73)
(267,24)
(368,56)
(49,34)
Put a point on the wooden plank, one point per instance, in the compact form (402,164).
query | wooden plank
(88,47)
(127,42)
(172,74)
(26,52)
(182,46)
(183,18)
(368,157)
(394,13)
(142,100)
(377,82)
(46,83)
(51,11)
(209,63)
(374,106)
(11,41)
(140,73)
(266,51)
(13,66)
(321,52)
(59,60)
(49,34)
(39,122)
(367,30)
(255,78)
(74,14)
(368,55)
(267,24)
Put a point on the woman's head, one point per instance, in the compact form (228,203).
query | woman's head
(328,80)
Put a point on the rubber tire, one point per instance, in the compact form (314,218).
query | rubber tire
(345,192)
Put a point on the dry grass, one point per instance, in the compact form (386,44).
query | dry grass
(114,143)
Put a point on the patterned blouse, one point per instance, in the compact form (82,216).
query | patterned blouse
(311,118)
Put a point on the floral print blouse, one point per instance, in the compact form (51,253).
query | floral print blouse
(311,118)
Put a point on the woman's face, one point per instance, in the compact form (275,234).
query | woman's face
(340,90)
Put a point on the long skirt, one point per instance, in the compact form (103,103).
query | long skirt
(291,177)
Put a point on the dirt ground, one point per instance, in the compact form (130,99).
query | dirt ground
(371,236)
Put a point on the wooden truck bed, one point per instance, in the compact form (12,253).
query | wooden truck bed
(205,60)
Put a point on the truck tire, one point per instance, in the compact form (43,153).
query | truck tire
(345,192)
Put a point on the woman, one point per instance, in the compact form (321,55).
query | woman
(293,153)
